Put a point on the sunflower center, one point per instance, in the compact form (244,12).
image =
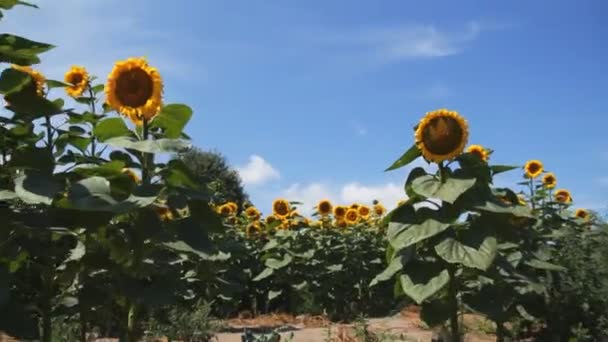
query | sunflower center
(75,79)
(324,207)
(533,168)
(442,135)
(281,208)
(134,87)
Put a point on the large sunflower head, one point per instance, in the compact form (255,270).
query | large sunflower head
(582,213)
(252,212)
(549,180)
(351,216)
(563,196)
(533,168)
(134,89)
(363,211)
(441,135)
(78,78)
(36,86)
(339,211)
(324,207)
(281,207)
(478,151)
(379,209)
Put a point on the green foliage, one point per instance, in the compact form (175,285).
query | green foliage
(211,170)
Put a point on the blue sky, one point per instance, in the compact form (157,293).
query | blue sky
(312,99)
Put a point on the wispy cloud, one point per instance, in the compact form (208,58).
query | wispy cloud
(388,45)
(257,171)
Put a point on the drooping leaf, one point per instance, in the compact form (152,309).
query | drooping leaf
(13,80)
(403,235)
(267,272)
(277,264)
(36,188)
(420,280)
(468,253)
(19,50)
(396,265)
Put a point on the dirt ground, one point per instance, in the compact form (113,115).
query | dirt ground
(405,326)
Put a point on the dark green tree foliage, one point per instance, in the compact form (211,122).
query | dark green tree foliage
(211,169)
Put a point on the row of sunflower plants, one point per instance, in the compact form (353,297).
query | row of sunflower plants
(460,243)
(95,228)
(295,264)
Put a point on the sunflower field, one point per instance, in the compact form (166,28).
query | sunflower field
(103,232)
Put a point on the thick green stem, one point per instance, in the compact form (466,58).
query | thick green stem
(132,333)
(532,198)
(46,308)
(453,299)
(49,133)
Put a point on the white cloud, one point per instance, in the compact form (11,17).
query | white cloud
(309,195)
(257,171)
(389,45)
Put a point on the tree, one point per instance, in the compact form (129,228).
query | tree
(212,169)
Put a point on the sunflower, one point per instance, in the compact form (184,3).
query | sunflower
(351,216)
(134,89)
(341,223)
(339,211)
(224,209)
(134,177)
(533,168)
(253,213)
(582,213)
(270,219)
(478,151)
(164,213)
(563,196)
(36,85)
(354,206)
(280,207)
(324,207)
(78,78)
(549,180)
(441,135)
(253,227)
(379,209)
(363,212)
(233,207)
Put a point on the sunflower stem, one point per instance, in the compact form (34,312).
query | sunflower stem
(532,198)
(442,175)
(94,123)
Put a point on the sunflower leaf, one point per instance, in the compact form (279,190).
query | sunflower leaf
(13,80)
(19,50)
(150,146)
(111,128)
(496,169)
(409,156)
(172,119)
(56,84)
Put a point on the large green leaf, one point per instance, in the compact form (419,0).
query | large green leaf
(111,128)
(13,80)
(409,156)
(172,119)
(94,194)
(177,174)
(18,50)
(421,280)
(32,107)
(469,253)
(431,187)
(499,208)
(35,188)
(150,146)
(402,235)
